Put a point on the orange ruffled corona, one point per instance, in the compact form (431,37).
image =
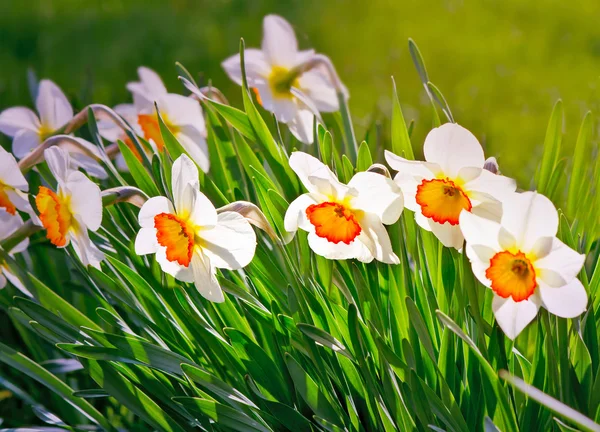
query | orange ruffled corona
(151,129)
(6,203)
(177,236)
(334,222)
(512,275)
(55,216)
(442,200)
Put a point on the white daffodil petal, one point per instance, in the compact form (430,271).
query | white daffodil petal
(151,81)
(86,200)
(184,172)
(24,141)
(356,249)
(19,200)
(449,235)
(417,169)
(320,90)
(10,174)
(9,223)
(301,125)
(295,215)
(479,231)
(13,279)
(231,243)
(203,212)
(181,111)
(279,41)
(152,207)
(194,143)
(12,120)
(542,247)
(21,247)
(562,260)
(90,165)
(58,162)
(453,147)
(86,250)
(179,272)
(529,216)
(308,167)
(498,186)
(422,221)
(380,245)
(568,301)
(378,195)
(204,278)
(53,106)
(146,242)
(255,62)
(479,264)
(491,210)
(513,317)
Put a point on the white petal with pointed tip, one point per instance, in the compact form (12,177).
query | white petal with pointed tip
(24,141)
(256,66)
(301,125)
(204,278)
(203,212)
(279,41)
(86,250)
(152,207)
(308,168)
(179,272)
(58,162)
(184,172)
(231,243)
(562,260)
(320,90)
(449,235)
(378,195)
(10,174)
(52,105)
(146,242)
(295,215)
(375,237)
(86,201)
(453,147)
(568,301)
(513,317)
(13,120)
(479,231)
(529,216)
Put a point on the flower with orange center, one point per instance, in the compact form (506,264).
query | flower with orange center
(10,223)
(344,221)
(189,238)
(72,210)
(13,186)
(523,262)
(450,182)
(274,73)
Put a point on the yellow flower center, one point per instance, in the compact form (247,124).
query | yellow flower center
(55,215)
(281,81)
(45,131)
(512,275)
(177,235)
(334,221)
(442,200)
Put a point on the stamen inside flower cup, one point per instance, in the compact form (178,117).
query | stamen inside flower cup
(512,275)
(177,235)
(442,200)
(334,222)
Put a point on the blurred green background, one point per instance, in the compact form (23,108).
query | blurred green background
(500,64)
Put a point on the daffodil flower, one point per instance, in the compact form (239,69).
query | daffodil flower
(13,186)
(189,238)
(9,223)
(451,180)
(524,263)
(182,115)
(74,208)
(111,131)
(281,84)
(344,221)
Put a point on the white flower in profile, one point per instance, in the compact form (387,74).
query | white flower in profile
(182,115)
(189,238)
(13,186)
(27,129)
(344,221)
(9,223)
(281,83)
(72,210)
(524,263)
(451,180)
